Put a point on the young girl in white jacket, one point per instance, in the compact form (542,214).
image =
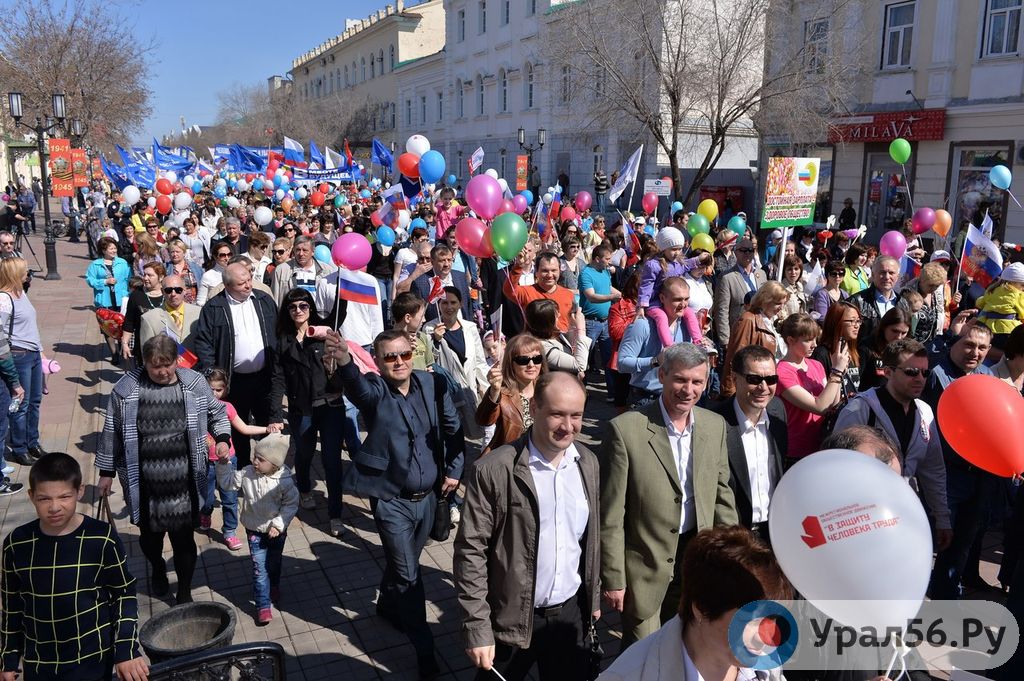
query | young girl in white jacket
(269,501)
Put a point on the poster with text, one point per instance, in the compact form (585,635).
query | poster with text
(97,169)
(791,190)
(61,178)
(522,171)
(79,168)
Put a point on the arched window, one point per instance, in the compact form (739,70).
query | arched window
(392,115)
(502,92)
(598,158)
(391,57)
(529,86)
(479,95)
(380,60)
(330,86)
(362,65)
(460,109)
(373,67)
(346,75)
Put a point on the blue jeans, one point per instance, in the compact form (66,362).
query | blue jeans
(5,403)
(385,300)
(404,527)
(266,565)
(597,331)
(329,422)
(228,500)
(25,421)
(600,199)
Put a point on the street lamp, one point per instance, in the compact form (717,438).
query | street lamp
(40,130)
(542,138)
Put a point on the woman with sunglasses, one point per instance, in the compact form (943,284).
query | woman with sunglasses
(829,294)
(506,404)
(280,252)
(177,263)
(287,229)
(315,404)
(214,276)
(756,326)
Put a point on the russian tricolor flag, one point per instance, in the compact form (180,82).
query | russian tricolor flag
(294,154)
(352,289)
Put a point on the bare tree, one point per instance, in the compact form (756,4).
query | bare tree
(690,74)
(85,50)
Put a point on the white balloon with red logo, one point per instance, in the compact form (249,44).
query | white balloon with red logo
(853,538)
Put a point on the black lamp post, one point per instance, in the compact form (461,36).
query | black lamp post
(40,130)
(542,138)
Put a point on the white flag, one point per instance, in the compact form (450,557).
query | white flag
(986,225)
(476,160)
(627,174)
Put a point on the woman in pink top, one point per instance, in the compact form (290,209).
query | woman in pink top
(447,214)
(805,390)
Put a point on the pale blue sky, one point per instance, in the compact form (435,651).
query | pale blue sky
(205,47)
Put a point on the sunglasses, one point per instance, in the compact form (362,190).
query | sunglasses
(911,372)
(524,360)
(837,273)
(426,259)
(755,379)
(289,229)
(744,250)
(279,251)
(392,356)
(223,255)
(298,307)
(168,290)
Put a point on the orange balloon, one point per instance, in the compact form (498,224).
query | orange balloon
(982,419)
(286,204)
(943,223)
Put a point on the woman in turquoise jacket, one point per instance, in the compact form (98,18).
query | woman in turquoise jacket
(108,276)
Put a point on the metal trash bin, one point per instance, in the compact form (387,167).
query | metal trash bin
(186,629)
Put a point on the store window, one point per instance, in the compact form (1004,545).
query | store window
(971,194)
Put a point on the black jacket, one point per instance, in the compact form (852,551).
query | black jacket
(299,373)
(241,247)
(865,302)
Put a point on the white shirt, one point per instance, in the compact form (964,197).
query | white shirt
(304,277)
(682,452)
(700,296)
(563,512)
(363,322)
(250,355)
(757,451)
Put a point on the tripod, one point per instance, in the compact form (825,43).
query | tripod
(22,239)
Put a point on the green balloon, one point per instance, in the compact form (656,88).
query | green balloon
(509,234)
(698,224)
(738,225)
(899,150)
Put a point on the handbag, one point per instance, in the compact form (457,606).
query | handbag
(442,527)
(594,653)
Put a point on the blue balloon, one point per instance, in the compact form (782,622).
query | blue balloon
(365,194)
(1000,176)
(323,253)
(528,195)
(257,184)
(676,207)
(284,185)
(452,180)
(278,179)
(386,236)
(431,166)
(197,187)
(232,182)
(220,192)
(418,222)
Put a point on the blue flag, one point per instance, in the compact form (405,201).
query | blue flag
(243,160)
(165,160)
(412,189)
(137,168)
(115,173)
(382,155)
(315,156)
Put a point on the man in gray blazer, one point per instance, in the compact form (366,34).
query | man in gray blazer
(732,289)
(176,318)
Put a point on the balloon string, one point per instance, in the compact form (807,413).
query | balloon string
(906,180)
(1014,198)
(900,655)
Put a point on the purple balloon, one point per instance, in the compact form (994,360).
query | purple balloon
(484,196)
(893,244)
(583,200)
(351,251)
(519,201)
(923,220)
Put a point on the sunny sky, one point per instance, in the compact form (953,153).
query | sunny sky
(206,47)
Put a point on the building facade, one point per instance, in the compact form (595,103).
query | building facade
(946,75)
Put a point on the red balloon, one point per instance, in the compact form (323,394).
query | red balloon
(507,207)
(474,238)
(409,165)
(164,186)
(649,202)
(317,198)
(163,203)
(982,418)
(567,214)
(324,187)
(249,177)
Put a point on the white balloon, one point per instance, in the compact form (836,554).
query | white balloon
(404,218)
(263,216)
(280,194)
(492,172)
(182,201)
(504,184)
(179,218)
(151,202)
(303,193)
(221,182)
(188,180)
(547,198)
(242,186)
(171,175)
(417,144)
(832,517)
(131,195)
(279,171)
(232,202)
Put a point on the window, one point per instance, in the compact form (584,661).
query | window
(362,64)
(529,86)
(502,92)
(899,33)
(346,75)
(460,25)
(373,67)
(330,84)
(505,11)
(408,113)
(479,95)
(815,45)
(600,81)
(598,158)
(531,7)
(483,16)
(460,100)
(502,162)
(423,110)
(380,60)
(355,76)
(440,107)
(970,187)
(391,57)
(566,82)
(1002,27)
(458,165)
(393,125)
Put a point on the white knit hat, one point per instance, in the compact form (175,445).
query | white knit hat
(1013,272)
(272,448)
(670,237)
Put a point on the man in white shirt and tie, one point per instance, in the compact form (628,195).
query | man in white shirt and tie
(756,436)
(526,581)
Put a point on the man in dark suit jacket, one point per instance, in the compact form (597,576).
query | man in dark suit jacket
(755,436)
(413,449)
(423,278)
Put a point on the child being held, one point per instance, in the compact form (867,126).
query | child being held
(69,607)
(1002,307)
(670,263)
(269,501)
(915,301)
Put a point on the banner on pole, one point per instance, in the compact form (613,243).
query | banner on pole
(522,171)
(61,178)
(658,187)
(79,168)
(97,169)
(791,190)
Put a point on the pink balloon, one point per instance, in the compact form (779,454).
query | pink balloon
(893,244)
(474,238)
(923,220)
(507,207)
(351,251)
(483,194)
(649,202)
(584,200)
(519,203)
(567,214)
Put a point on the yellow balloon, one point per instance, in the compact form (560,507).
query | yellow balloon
(709,209)
(703,242)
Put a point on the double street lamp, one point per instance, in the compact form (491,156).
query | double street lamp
(41,128)
(542,138)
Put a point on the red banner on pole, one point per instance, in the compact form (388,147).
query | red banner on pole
(61,178)
(97,169)
(522,171)
(79,168)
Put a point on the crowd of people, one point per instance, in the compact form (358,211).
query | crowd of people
(458,397)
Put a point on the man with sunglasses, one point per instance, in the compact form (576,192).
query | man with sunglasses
(413,451)
(175,318)
(897,409)
(732,288)
(756,436)
(302,271)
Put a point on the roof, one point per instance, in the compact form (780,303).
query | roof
(407,62)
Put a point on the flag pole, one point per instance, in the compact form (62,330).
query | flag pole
(337,301)
(960,265)
(782,253)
